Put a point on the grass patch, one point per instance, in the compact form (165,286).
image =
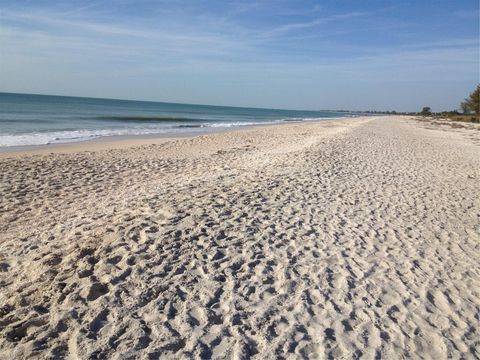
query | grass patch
(458,117)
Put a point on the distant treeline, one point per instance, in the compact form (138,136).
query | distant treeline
(470,110)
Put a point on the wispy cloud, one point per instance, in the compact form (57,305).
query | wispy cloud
(54,29)
(286,28)
(57,21)
(467,14)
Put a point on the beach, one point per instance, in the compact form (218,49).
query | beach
(332,239)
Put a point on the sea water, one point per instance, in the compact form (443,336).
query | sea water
(27,119)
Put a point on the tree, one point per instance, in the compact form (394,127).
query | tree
(472,103)
(426,111)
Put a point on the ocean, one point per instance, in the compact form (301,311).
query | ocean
(44,119)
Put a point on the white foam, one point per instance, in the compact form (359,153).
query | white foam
(243,123)
(56,137)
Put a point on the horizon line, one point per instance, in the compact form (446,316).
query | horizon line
(181,103)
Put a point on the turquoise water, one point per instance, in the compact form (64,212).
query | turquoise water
(43,119)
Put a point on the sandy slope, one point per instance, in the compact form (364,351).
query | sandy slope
(335,239)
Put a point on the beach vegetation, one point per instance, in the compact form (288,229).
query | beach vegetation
(471,105)
(426,111)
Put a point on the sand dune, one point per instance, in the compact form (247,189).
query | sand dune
(338,239)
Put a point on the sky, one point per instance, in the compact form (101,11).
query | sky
(332,54)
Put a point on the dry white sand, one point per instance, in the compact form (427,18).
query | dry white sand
(324,240)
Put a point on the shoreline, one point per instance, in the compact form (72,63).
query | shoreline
(127,141)
(101,143)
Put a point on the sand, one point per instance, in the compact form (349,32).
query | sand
(340,239)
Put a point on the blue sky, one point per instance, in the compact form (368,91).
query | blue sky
(340,54)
